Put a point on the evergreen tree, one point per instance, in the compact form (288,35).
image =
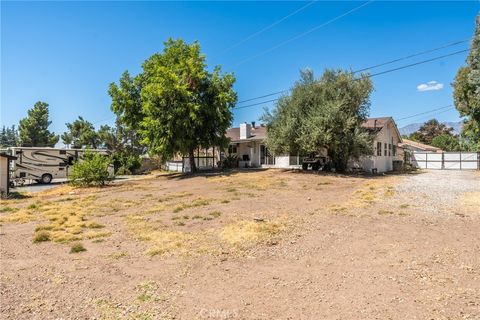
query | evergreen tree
(34,128)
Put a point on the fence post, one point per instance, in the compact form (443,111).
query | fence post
(460,160)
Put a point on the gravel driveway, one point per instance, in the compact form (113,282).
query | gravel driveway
(438,190)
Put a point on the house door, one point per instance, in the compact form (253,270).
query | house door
(265,157)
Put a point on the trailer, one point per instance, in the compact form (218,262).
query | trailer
(45,164)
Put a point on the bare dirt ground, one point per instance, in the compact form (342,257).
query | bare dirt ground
(246,245)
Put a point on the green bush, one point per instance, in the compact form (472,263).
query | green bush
(230,161)
(91,170)
(77,247)
(126,163)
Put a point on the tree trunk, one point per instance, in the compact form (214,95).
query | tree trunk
(191,156)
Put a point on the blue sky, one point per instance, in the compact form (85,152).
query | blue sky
(67,53)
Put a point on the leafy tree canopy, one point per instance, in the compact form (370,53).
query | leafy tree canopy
(80,134)
(467,91)
(429,130)
(323,113)
(447,142)
(33,130)
(175,103)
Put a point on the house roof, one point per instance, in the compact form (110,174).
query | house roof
(419,145)
(257,133)
(260,132)
(376,123)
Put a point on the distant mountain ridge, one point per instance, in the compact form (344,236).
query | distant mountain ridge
(411,128)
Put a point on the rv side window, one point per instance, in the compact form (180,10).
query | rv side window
(63,151)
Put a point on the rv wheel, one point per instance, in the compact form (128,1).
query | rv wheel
(46,178)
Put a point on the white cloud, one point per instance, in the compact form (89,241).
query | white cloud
(431,85)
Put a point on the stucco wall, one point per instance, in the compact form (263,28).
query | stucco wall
(382,163)
(3,174)
(252,149)
(282,161)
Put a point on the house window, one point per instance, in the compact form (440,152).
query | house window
(232,149)
(385,149)
(379,148)
(394,151)
(389,150)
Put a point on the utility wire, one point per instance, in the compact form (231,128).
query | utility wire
(374,74)
(422,119)
(413,55)
(255,34)
(374,66)
(422,113)
(301,35)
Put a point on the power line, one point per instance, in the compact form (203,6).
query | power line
(422,113)
(281,44)
(427,117)
(413,55)
(256,104)
(372,75)
(420,62)
(253,35)
(372,67)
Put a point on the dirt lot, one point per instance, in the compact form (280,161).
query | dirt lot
(248,245)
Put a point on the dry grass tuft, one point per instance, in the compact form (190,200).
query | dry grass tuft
(199,202)
(41,236)
(471,202)
(259,181)
(244,233)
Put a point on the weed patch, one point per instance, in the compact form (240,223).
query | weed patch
(41,236)
(243,233)
(77,247)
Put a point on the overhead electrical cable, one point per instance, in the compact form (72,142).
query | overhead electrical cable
(374,66)
(255,34)
(303,34)
(374,74)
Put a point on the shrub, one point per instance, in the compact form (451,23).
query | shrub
(77,247)
(91,170)
(41,236)
(126,163)
(230,161)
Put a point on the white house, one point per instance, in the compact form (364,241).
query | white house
(385,145)
(247,142)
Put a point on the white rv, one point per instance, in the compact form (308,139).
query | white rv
(45,164)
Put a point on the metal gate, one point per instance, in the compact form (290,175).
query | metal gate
(446,160)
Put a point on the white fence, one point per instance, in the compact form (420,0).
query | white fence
(446,160)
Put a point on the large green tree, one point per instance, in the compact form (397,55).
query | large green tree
(125,146)
(81,133)
(447,142)
(429,130)
(323,113)
(33,130)
(467,91)
(175,103)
